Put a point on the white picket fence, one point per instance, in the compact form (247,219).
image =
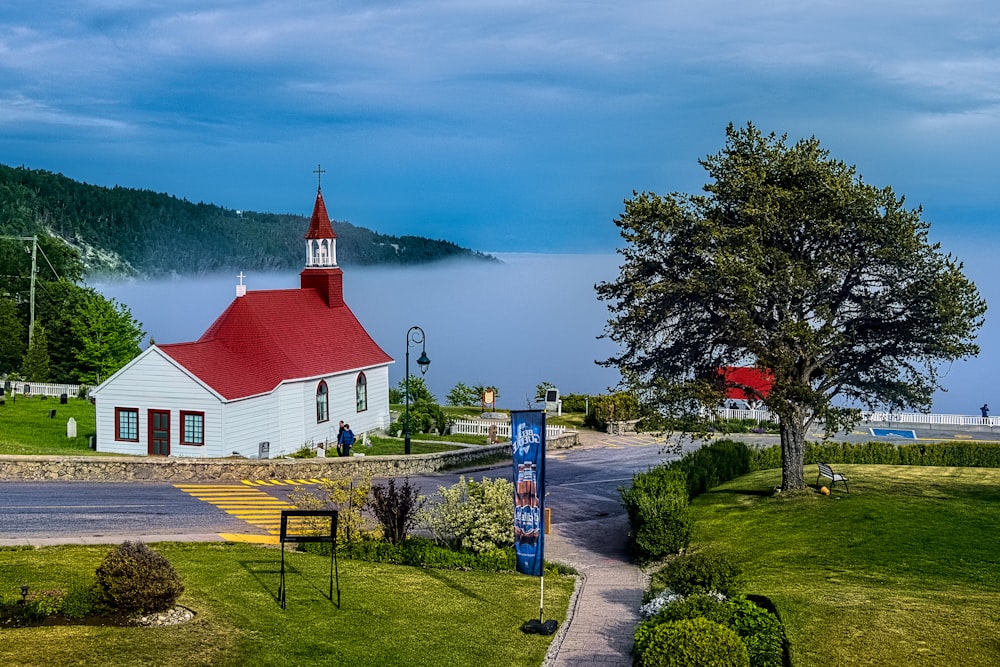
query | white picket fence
(43,389)
(928,419)
(482,427)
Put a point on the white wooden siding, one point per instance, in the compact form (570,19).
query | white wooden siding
(155,383)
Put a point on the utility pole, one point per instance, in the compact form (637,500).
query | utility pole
(34,271)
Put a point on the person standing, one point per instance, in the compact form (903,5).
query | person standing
(346,440)
(985,410)
(340,438)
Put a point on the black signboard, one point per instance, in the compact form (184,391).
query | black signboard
(295,538)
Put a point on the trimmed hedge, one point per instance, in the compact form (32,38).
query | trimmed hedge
(696,642)
(712,465)
(658,512)
(959,454)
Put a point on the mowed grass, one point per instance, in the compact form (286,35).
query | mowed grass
(27,429)
(904,569)
(389,615)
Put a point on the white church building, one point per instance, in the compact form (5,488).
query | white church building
(277,370)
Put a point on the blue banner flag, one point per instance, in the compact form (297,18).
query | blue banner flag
(528,442)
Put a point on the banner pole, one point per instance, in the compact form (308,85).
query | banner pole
(541,601)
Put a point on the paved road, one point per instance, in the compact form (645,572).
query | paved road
(582,484)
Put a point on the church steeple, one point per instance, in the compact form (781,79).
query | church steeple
(321,242)
(322,273)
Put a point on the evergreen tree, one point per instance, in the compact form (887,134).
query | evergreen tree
(12,337)
(36,361)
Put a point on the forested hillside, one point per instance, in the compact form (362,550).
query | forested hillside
(127,231)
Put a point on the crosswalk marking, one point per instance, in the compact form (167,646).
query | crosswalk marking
(250,505)
(283,482)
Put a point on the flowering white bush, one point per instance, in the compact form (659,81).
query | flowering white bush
(667,597)
(472,515)
(662,599)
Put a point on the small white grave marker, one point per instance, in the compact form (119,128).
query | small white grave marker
(71,428)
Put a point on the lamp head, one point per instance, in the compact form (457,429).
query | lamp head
(424,361)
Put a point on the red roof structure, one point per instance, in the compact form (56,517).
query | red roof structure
(319,225)
(268,337)
(746,384)
(271,336)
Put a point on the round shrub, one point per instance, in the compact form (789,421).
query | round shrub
(659,516)
(135,579)
(696,642)
(701,572)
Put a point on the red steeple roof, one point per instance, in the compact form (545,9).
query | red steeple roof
(319,225)
(271,336)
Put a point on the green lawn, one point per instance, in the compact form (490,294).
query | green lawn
(389,615)
(904,569)
(26,428)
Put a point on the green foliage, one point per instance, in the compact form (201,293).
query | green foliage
(419,393)
(304,452)
(135,579)
(575,402)
(395,508)
(701,572)
(140,231)
(476,516)
(80,601)
(422,552)
(36,361)
(709,466)
(109,338)
(961,454)
(462,394)
(696,642)
(620,406)
(345,494)
(13,337)
(760,630)
(658,512)
(541,388)
(788,262)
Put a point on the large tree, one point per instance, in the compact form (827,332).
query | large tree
(789,262)
(109,337)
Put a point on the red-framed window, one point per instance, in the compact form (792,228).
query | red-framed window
(192,428)
(361,392)
(322,402)
(127,424)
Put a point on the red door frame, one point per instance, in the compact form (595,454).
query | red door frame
(151,419)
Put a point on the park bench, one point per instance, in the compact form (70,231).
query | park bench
(826,471)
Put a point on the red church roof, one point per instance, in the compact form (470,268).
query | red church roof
(319,225)
(270,336)
(743,383)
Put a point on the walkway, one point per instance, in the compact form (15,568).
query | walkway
(600,625)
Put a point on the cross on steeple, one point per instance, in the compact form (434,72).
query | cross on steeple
(319,171)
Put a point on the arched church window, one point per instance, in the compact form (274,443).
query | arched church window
(322,403)
(361,389)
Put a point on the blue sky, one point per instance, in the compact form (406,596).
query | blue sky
(502,125)
(506,125)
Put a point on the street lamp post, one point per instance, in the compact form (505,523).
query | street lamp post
(414,335)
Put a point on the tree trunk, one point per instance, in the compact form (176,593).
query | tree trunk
(793,450)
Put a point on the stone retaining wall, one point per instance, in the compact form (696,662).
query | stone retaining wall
(132,469)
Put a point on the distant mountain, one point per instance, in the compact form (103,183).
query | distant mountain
(124,231)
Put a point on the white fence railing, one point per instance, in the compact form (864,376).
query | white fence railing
(482,427)
(929,419)
(43,388)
